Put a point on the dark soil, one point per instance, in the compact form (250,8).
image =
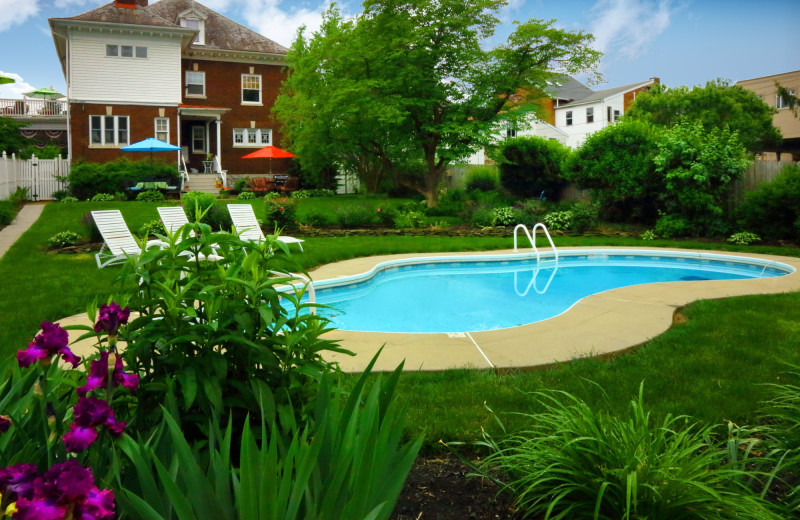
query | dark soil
(439,488)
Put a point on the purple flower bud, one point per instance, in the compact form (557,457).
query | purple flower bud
(98,375)
(5,423)
(130,381)
(110,317)
(18,480)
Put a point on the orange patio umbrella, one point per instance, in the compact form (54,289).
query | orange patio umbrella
(269,152)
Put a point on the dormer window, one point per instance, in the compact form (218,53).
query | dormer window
(199,26)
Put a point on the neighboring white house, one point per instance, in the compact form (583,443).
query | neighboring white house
(572,112)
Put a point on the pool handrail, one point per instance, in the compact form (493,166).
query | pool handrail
(532,239)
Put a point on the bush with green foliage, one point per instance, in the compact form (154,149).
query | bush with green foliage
(357,216)
(450,203)
(152,228)
(279,211)
(63,239)
(578,462)
(19,195)
(150,196)
(103,197)
(673,226)
(558,220)
(616,164)
(648,235)
(482,217)
(69,199)
(197,201)
(743,238)
(246,195)
(584,216)
(60,194)
(503,216)
(409,219)
(316,217)
(773,209)
(484,178)
(317,192)
(698,167)
(532,165)
(8,212)
(87,179)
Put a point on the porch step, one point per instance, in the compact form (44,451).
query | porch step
(206,183)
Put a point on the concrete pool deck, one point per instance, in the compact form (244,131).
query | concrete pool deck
(601,324)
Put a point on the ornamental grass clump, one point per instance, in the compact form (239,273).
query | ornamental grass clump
(577,462)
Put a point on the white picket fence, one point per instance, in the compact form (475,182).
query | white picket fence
(40,176)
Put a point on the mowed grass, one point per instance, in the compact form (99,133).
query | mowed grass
(714,367)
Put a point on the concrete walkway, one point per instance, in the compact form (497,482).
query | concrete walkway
(25,219)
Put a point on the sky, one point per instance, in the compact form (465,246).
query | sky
(682,42)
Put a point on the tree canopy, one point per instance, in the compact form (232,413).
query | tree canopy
(407,87)
(716,105)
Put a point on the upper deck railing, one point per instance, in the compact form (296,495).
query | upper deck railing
(32,108)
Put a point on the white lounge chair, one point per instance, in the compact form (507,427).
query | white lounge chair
(246,224)
(174,218)
(118,242)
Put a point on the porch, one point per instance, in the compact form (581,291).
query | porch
(33,108)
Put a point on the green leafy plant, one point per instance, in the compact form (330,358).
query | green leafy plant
(150,196)
(246,195)
(63,239)
(503,216)
(317,192)
(669,226)
(648,235)
(19,195)
(773,210)
(558,220)
(577,462)
(152,228)
(8,212)
(743,238)
(280,212)
(69,199)
(409,219)
(350,462)
(532,165)
(316,217)
(584,216)
(357,216)
(87,179)
(102,197)
(60,194)
(197,201)
(484,178)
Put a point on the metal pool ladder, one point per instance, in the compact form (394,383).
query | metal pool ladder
(532,239)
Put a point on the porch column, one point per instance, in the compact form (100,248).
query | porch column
(219,142)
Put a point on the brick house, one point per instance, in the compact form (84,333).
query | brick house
(175,70)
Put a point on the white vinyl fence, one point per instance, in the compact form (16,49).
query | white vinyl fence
(40,176)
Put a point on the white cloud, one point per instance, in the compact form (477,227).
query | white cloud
(69,3)
(16,12)
(14,90)
(268,18)
(624,29)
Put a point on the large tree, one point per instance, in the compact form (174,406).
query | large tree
(716,105)
(407,87)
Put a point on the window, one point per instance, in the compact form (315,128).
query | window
(198,139)
(590,115)
(569,117)
(195,83)
(511,132)
(125,51)
(252,137)
(108,130)
(251,88)
(162,129)
(612,114)
(616,115)
(197,25)
(783,102)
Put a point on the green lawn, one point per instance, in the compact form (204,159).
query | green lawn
(713,367)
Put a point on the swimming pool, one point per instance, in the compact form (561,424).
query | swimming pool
(489,292)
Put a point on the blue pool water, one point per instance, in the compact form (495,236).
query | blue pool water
(464,294)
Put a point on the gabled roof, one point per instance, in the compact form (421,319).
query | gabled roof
(220,32)
(110,13)
(603,94)
(570,88)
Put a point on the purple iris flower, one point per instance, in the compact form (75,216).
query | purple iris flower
(78,438)
(66,482)
(39,509)
(5,423)
(53,340)
(18,480)
(90,413)
(98,375)
(110,317)
(98,505)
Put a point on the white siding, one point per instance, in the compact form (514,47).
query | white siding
(96,77)
(579,130)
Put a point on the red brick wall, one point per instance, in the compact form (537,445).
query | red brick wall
(224,90)
(142,126)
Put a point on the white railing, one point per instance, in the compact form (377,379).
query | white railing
(223,174)
(32,108)
(532,238)
(42,177)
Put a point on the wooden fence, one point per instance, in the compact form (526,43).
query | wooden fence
(40,176)
(759,173)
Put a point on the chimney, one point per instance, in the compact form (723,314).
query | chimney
(130,4)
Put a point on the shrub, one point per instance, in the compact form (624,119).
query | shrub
(8,212)
(60,194)
(773,210)
(279,212)
(69,200)
(409,219)
(584,216)
(743,238)
(316,217)
(318,192)
(616,164)
(356,216)
(152,228)
(484,178)
(218,218)
(246,195)
(103,197)
(63,239)
(19,196)
(87,179)
(150,196)
(482,217)
(648,235)
(197,201)
(670,226)
(450,203)
(240,184)
(503,216)
(558,220)
(532,165)
(577,462)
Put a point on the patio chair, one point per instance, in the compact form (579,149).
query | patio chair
(118,242)
(174,218)
(246,224)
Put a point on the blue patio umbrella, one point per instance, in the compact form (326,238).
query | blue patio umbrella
(151,144)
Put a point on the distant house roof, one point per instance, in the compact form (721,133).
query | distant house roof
(570,88)
(602,94)
(221,33)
